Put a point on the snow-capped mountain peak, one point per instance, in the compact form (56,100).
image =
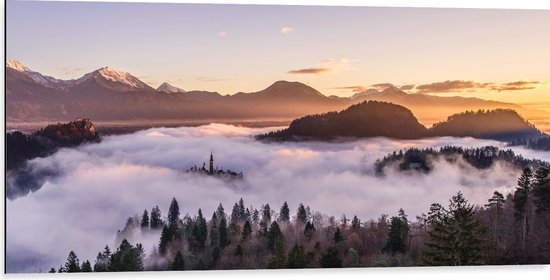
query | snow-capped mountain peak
(14,64)
(166,87)
(123,80)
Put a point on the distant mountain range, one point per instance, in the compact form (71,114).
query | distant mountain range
(108,94)
(382,119)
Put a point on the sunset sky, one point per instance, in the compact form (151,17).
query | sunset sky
(492,54)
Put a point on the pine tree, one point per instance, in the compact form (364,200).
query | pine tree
(309,230)
(178,263)
(455,235)
(165,239)
(242,211)
(521,203)
(247,230)
(103,260)
(145,220)
(338,236)
(156,221)
(72,264)
(173,213)
(541,189)
(214,232)
(496,202)
(202,231)
(353,257)
(297,257)
(285,213)
(330,258)
(220,212)
(301,216)
(86,267)
(266,214)
(127,257)
(355,223)
(396,243)
(224,237)
(274,235)
(235,214)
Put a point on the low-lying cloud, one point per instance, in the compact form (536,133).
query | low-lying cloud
(99,186)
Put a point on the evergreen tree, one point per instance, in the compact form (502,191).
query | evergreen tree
(86,267)
(72,264)
(247,230)
(521,203)
(395,242)
(173,213)
(214,233)
(224,237)
(355,223)
(541,189)
(297,257)
(455,235)
(165,239)
(127,257)
(330,258)
(103,260)
(220,212)
(202,231)
(353,257)
(285,213)
(278,260)
(255,216)
(496,202)
(274,235)
(178,263)
(242,211)
(338,236)
(309,230)
(52,270)
(156,221)
(266,214)
(145,220)
(301,216)
(235,214)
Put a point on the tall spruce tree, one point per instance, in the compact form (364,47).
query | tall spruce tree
(331,258)
(297,257)
(285,213)
(224,236)
(173,213)
(541,189)
(145,220)
(156,220)
(521,203)
(178,263)
(72,264)
(86,266)
(266,214)
(301,215)
(455,235)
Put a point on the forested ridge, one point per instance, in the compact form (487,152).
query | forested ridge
(511,229)
(423,160)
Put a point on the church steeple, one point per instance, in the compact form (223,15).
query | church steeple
(211,170)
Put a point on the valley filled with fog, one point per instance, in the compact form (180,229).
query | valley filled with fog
(96,187)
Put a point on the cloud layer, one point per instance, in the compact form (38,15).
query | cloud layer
(100,185)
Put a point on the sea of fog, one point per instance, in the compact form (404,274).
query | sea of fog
(99,186)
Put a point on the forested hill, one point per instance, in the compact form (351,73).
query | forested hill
(499,124)
(44,142)
(381,119)
(366,119)
(249,238)
(422,160)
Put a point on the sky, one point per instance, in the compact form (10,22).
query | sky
(492,54)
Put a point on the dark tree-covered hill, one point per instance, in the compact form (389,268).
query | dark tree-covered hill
(367,119)
(21,147)
(499,124)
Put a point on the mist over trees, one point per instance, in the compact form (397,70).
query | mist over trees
(511,229)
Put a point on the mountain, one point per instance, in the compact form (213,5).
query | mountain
(367,119)
(499,124)
(40,79)
(109,79)
(166,87)
(108,94)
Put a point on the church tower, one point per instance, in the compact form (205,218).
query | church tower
(211,170)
